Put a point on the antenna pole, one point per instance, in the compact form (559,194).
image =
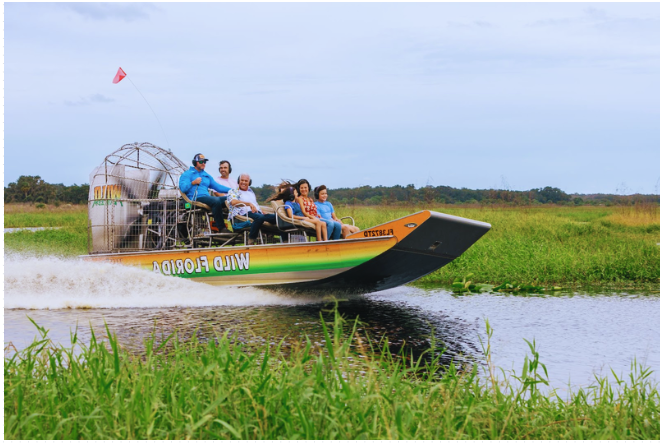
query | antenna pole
(153,112)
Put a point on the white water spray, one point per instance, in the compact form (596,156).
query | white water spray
(49,282)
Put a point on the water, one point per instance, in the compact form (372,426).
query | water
(577,335)
(12,230)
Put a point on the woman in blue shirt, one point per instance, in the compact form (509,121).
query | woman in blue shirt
(327,212)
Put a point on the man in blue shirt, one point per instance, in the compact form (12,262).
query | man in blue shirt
(195,183)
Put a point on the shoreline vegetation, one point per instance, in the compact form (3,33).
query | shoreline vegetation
(342,388)
(34,189)
(550,246)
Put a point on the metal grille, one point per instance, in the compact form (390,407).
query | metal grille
(134,201)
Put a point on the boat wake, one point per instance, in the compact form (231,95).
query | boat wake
(48,282)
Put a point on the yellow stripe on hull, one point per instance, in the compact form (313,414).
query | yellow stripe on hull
(257,264)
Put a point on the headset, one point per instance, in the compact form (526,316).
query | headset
(226,161)
(317,190)
(195,157)
(250,177)
(302,181)
(291,195)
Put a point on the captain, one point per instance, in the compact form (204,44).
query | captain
(195,183)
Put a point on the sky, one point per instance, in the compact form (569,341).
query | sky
(478,95)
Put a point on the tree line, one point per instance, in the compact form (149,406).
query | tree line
(33,189)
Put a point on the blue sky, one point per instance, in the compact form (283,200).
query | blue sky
(477,95)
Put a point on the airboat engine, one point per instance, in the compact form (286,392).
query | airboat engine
(132,198)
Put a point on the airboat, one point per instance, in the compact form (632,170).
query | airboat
(137,216)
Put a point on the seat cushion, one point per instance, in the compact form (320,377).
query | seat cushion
(195,203)
(278,206)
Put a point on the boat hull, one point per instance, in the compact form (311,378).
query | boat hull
(436,240)
(378,258)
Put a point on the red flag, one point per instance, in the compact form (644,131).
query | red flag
(119,76)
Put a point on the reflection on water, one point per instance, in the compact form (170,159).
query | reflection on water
(576,334)
(403,327)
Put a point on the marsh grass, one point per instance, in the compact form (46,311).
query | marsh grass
(25,215)
(551,246)
(70,239)
(64,242)
(570,247)
(344,389)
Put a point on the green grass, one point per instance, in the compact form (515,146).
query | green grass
(562,246)
(342,390)
(551,246)
(23,215)
(62,242)
(70,239)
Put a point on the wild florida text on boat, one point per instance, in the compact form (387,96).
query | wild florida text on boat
(138,217)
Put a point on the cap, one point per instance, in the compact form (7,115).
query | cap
(200,158)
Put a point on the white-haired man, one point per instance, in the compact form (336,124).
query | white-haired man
(243,203)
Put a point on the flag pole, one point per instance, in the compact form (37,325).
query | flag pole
(121,75)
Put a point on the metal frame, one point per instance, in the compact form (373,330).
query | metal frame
(135,204)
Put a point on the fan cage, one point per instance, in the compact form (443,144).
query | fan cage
(134,202)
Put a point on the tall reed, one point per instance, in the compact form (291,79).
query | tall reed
(219,389)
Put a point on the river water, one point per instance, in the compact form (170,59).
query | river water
(578,335)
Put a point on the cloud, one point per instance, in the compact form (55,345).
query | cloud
(82,102)
(596,13)
(590,15)
(474,24)
(633,28)
(100,98)
(551,22)
(128,12)
(483,24)
(257,93)
(94,98)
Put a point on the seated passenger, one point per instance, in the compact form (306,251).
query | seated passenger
(327,212)
(243,203)
(195,183)
(286,192)
(223,178)
(307,205)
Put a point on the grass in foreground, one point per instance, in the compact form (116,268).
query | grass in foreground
(218,390)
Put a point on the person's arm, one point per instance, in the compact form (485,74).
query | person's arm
(185,182)
(333,216)
(235,201)
(216,186)
(289,213)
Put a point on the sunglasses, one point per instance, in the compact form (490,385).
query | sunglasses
(202,161)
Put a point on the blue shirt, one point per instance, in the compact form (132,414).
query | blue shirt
(325,210)
(201,189)
(295,208)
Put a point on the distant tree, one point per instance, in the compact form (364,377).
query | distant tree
(550,194)
(34,189)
